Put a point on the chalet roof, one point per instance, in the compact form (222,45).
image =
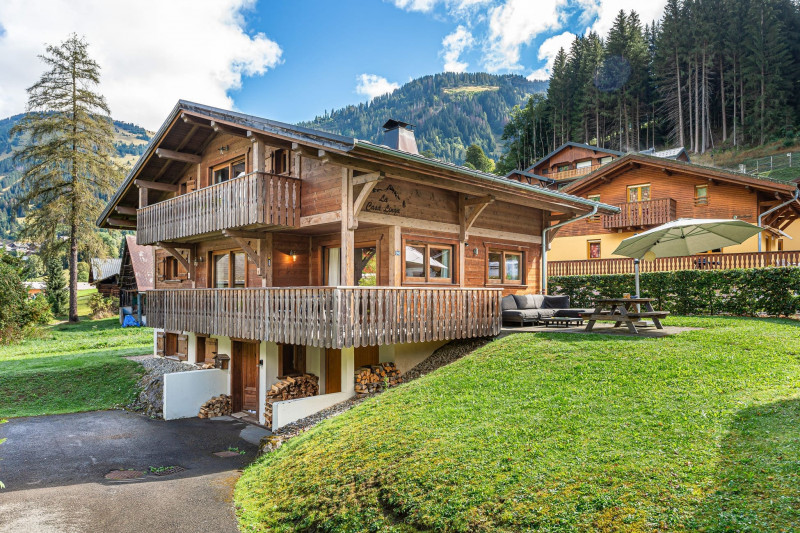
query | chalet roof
(332,143)
(575,145)
(636,160)
(105,268)
(142,261)
(672,153)
(531,175)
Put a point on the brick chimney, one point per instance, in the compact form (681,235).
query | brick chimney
(400,136)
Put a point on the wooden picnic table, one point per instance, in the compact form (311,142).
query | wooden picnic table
(622,311)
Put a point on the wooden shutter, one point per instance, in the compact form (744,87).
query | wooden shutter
(160,343)
(160,266)
(211,349)
(183,347)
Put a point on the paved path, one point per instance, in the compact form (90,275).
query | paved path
(54,467)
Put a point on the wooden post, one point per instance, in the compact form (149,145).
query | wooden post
(265,252)
(348,235)
(143,197)
(395,256)
(462,237)
(259,155)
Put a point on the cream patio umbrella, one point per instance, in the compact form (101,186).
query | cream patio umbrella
(685,236)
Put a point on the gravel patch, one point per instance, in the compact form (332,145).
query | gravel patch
(450,352)
(151,398)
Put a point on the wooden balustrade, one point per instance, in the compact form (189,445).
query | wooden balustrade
(666,264)
(572,173)
(330,317)
(257,199)
(641,214)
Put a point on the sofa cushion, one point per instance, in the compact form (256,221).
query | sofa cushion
(556,302)
(529,301)
(570,313)
(547,313)
(508,302)
(527,314)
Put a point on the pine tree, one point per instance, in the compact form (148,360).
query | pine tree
(55,289)
(477,159)
(68,157)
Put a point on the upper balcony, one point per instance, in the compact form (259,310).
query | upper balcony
(572,172)
(642,214)
(256,200)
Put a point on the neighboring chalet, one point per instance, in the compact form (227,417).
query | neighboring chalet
(285,251)
(104,274)
(650,191)
(136,277)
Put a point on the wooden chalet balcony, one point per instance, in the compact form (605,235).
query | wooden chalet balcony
(667,264)
(255,200)
(573,172)
(642,214)
(330,317)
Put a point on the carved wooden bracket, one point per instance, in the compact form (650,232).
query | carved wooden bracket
(241,238)
(366,181)
(469,210)
(173,251)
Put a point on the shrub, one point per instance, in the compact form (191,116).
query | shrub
(102,306)
(748,292)
(37,310)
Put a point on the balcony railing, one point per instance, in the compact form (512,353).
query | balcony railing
(641,214)
(573,172)
(257,199)
(667,264)
(330,317)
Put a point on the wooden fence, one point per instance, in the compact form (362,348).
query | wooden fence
(330,317)
(666,264)
(257,199)
(640,214)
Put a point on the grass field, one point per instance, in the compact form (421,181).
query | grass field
(71,368)
(559,432)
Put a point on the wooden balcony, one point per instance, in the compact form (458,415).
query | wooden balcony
(256,200)
(668,264)
(642,214)
(573,172)
(330,317)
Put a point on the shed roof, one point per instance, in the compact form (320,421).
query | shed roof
(103,269)
(142,262)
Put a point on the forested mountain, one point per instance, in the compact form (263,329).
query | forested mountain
(129,139)
(708,74)
(450,111)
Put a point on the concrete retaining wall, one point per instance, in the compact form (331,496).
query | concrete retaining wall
(186,392)
(288,411)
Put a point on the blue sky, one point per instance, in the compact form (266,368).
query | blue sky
(288,60)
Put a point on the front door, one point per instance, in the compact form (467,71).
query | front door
(245,376)
(333,370)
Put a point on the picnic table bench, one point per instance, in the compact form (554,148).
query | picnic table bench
(622,311)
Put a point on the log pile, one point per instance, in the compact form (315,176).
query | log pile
(290,388)
(216,406)
(375,378)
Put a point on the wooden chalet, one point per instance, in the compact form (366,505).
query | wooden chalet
(104,274)
(650,191)
(136,277)
(286,251)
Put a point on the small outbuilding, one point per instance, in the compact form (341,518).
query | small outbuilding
(135,277)
(104,275)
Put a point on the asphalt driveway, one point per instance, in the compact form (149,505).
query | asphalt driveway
(54,470)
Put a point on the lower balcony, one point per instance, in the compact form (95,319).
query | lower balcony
(329,317)
(642,214)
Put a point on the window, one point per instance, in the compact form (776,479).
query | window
(562,168)
(584,164)
(292,360)
(701,195)
(505,267)
(170,269)
(228,170)
(639,193)
(606,159)
(229,270)
(280,161)
(593,249)
(594,198)
(429,263)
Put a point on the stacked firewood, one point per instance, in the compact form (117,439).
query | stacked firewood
(290,388)
(216,406)
(375,378)
(206,366)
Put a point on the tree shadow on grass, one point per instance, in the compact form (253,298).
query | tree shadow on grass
(757,485)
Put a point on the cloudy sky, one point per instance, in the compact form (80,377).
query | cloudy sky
(288,60)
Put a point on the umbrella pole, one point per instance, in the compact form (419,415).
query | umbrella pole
(636,274)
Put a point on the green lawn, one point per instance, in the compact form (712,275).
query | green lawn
(71,368)
(559,432)
(83,304)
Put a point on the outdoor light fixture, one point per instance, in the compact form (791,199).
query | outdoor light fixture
(475,251)
(223,149)
(293,254)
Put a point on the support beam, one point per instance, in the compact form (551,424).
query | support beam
(189,119)
(347,234)
(395,256)
(173,251)
(143,197)
(224,128)
(122,210)
(143,184)
(121,222)
(469,210)
(242,234)
(251,253)
(372,177)
(178,156)
(366,181)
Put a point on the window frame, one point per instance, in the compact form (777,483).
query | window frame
(427,280)
(231,253)
(700,200)
(229,164)
(639,186)
(589,244)
(503,280)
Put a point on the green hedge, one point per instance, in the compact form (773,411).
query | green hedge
(749,292)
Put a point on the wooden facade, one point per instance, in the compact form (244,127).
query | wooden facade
(572,160)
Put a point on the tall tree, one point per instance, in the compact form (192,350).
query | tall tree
(67,159)
(55,287)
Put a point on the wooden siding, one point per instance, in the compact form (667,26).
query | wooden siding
(256,199)
(570,155)
(667,264)
(329,317)
(642,214)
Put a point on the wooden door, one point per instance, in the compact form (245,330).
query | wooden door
(333,370)
(245,376)
(365,355)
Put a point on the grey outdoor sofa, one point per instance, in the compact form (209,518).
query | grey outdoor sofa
(531,308)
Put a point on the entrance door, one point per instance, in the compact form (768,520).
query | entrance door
(245,376)
(365,356)
(333,371)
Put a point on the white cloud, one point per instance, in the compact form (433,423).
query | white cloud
(415,5)
(548,51)
(152,52)
(453,46)
(455,7)
(372,85)
(606,11)
(516,23)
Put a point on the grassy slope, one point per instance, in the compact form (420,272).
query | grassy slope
(559,432)
(71,368)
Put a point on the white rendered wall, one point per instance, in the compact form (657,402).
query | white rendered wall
(191,350)
(288,411)
(408,355)
(186,392)
(348,368)
(155,340)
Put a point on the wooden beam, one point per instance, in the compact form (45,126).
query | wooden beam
(122,210)
(347,236)
(252,254)
(367,181)
(372,177)
(121,222)
(242,234)
(157,186)
(479,200)
(172,250)
(322,218)
(189,119)
(666,171)
(224,128)
(178,156)
(468,212)
(143,197)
